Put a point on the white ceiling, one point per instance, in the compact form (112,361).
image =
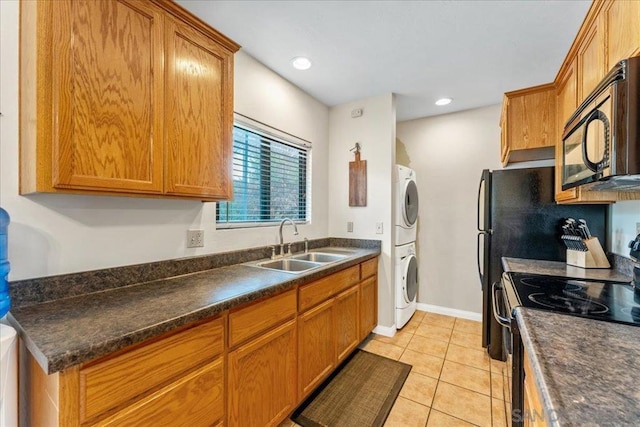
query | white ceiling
(471,51)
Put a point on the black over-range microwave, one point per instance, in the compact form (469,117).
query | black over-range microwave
(601,140)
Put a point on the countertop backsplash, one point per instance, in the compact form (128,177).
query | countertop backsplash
(621,264)
(38,290)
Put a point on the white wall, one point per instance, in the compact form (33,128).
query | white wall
(624,217)
(448,153)
(375,131)
(53,234)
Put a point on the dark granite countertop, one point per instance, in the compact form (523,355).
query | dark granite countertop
(69,331)
(555,268)
(586,370)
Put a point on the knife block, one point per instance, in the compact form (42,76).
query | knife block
(593,257)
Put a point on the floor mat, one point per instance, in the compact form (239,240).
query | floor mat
(359,394)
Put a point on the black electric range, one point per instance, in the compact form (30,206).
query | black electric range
(599,300)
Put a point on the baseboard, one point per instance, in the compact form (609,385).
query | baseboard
(387,331)
(450,311)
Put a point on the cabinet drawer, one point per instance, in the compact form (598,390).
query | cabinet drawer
(316,292)
(112,382)
(260,316)
(369,268)
(195,400)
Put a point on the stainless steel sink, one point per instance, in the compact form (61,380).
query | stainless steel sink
(319,257)
(289,265)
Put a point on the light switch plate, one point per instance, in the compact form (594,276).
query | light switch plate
(195,238)
(378,228)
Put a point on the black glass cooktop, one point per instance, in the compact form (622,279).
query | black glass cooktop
(610,301)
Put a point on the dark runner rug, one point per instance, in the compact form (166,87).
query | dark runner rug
(359,394)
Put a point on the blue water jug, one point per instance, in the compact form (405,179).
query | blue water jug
(5,300)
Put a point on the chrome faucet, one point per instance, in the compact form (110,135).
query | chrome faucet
(295,232)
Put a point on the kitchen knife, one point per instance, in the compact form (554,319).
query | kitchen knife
(583,231)
(586,228)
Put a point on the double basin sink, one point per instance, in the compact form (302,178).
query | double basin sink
(306,261)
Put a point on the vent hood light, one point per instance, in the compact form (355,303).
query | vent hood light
(443,101)
(301,63)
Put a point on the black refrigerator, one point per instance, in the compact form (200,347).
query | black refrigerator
(518,217)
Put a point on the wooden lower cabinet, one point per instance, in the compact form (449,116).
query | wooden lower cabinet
(175,379)
(250,366)
(368,306)
(534,414)
(262,378)
(347,322)
(196,400)
(328,333)
(316,346)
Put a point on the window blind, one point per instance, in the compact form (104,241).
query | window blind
(269,180)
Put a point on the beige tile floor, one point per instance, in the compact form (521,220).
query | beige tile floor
(453,382)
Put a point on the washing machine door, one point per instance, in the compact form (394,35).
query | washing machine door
(410,278)
(410,204)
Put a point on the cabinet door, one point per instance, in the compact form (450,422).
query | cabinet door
(368,306)
(591,67)
(199,114)
(316,346)
(107,90)
(262,379)
(531,118)
(622,20)
(347,322)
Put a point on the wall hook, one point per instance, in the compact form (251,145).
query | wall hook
(356,148)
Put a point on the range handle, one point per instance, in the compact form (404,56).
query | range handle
(497,293)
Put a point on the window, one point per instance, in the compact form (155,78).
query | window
(269,178)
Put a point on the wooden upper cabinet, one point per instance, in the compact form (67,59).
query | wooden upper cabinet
(105,135)
(591,66)
(124,97)
(622,21)
(528,124)
(199,114)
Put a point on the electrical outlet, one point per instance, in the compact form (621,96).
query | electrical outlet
(349,226)
(378,228)
(195,238)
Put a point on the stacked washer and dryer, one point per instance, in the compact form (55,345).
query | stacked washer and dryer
(406,212)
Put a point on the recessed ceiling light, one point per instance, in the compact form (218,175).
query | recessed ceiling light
(301,63)
(443,101)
